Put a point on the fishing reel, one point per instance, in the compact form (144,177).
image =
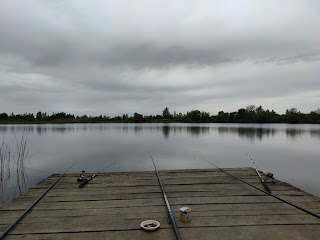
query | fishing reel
(269,175)
(82,177)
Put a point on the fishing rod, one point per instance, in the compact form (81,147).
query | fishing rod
(39,198)
(175,228)
(86,180)
(270,194)
(261,179)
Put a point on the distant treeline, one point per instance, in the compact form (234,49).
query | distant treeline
(250,114)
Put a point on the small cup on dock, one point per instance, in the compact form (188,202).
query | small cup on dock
(185,214)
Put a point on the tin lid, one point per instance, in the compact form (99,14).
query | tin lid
(185,209)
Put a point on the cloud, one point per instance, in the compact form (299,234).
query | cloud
(113,57)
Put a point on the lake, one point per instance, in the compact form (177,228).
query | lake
(290,152)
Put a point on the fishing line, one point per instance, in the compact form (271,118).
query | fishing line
(270,194)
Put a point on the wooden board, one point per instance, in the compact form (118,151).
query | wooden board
(113,205)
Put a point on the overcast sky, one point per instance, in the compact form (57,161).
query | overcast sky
(116,57)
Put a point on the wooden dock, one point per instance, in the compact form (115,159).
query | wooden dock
(113,205)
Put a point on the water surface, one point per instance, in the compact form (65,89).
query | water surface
(290,152)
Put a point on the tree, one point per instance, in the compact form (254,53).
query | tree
(317,111)
(137,116)
(4,116)
(291,110)
(251,108)
(222,117)
(166,113)
(125,116)
(194,115)
(39,116)
(315,116)
(242,115)
(204,116)
(293,116)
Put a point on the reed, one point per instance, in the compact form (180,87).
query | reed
(22,156)
(5,173)
(13,164)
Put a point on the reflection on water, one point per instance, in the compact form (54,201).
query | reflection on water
(246,132)
(315,132)
(295,133)
(166,131)
(260,133)
(253,132)
(194,131)
(291,152)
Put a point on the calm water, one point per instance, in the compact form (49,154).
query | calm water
(291,152)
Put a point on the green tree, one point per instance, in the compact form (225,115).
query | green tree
(137,116)
(4,116)
(125,116)
(204,116)
(39,116)
(293,116)
(166,113)
(315,116)
(194,116)
(222,117)
(242,115)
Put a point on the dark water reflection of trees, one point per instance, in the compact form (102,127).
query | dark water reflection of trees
(260,133)
(247,132)
(194,131)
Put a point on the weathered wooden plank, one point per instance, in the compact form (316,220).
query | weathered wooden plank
(142,213)
(237,188)
(159,202)
(82,224)
(169,172)
(267,232)
(112,177)
(186,173)
(175,187)
(213,209)
(99,180)
(196,220)
(195,193)
(89,204)
(152,182)
(114,235)
(230,188)
(221,184)
(250,173)
(241,199)
(149,195)
(188,198)
(36,216)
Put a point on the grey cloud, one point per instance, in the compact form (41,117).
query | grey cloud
(304,57)
(54,37)
(108,56)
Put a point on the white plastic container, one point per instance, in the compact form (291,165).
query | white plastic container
(150,225)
